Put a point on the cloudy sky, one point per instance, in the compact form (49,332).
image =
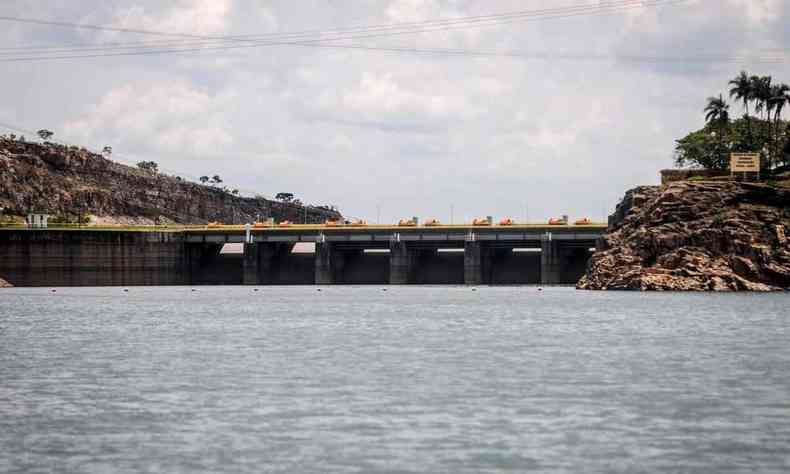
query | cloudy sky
(568,112)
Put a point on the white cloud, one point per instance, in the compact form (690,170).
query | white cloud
(408,11)
(380,97)
(196,17)
(412,133)
(171,117)
(759,11)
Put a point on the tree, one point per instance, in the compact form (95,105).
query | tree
(761,92)
(45,134)
(699,148)
(284,197)
(235,192)
(779,97)
(717,110)
(149,166)
(786,149)
(216,179)
(710,146)
(204,179)
(107,150)
(743,90)
(718,115)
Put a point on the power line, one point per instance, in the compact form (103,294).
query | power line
(776,58)
(320,42)
(431,26)
(397,26)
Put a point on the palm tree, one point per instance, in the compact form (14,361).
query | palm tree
(780,96)
(742,90)
(717,111)
(761,92)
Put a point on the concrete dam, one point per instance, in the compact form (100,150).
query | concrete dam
(298,255)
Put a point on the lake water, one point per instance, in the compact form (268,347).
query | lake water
(412,379)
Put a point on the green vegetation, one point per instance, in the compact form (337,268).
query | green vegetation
(284,197)
(7,218)
(213,181)
(70,219)
(765,133)
(44,134)
(150,166)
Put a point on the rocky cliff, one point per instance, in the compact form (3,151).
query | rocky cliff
(696,236)
(70,181)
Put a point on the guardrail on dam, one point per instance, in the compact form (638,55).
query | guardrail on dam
(323,255)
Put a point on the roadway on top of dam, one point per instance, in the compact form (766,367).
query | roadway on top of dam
(389,233)
(370,232)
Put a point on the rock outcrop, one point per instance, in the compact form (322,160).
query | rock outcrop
(4,284)
(70,181)
(696,236)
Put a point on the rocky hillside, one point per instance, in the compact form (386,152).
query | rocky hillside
(696,236)
(69,181)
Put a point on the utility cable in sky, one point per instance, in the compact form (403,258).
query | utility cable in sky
(13,56)
(466,20)
(777,57)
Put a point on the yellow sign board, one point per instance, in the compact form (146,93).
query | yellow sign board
(745,162)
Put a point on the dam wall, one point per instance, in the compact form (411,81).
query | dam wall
(423,256)
(92,258)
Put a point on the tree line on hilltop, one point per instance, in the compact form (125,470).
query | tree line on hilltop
(764,132)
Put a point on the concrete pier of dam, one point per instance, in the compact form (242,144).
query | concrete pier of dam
(302,255)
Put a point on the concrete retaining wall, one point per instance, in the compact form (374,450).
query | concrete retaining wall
(669,176)
(91,258)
